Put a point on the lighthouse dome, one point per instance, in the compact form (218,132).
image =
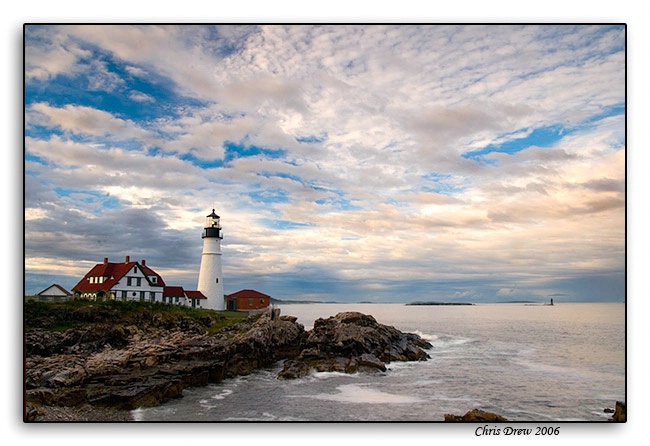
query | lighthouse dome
(212,226)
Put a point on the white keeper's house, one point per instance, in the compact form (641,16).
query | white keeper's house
(133,281)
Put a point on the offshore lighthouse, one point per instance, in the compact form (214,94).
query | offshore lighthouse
(210,275)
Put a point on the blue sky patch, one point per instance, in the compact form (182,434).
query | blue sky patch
(200,162)
(35,159)
(541,137)
(108,85)
(270,196)
(441,184)
(338,201)
(234,151)
(107,201)
(283,225)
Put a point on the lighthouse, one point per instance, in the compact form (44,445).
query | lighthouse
(210,276)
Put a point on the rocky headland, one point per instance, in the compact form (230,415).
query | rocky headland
(351,342)
(109,361)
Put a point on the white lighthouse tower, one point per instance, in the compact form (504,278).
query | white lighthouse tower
(210,276)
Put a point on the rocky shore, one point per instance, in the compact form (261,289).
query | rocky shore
(106,366)
(351,342)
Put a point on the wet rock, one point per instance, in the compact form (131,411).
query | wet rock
(124,367)
(620,413)
(371,361)
(151,358)
(43,343)
(350,342)
(476,415)
(293,369)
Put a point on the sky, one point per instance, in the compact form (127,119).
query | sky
(378,163)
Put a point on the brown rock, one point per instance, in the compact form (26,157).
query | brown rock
(476,415)
(293,369)
(124,366)
(350,342)
(620,413)
(371,361)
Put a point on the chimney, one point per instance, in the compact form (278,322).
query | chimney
(144,262)
(128,259)
(105,260)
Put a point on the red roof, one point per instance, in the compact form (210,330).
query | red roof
(194,294)
(173,291)
(247,293)
(149,272)
(178,291)
(112,273)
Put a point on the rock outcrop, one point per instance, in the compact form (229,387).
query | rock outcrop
(620,413)
(152,357)
(146,368)
(350,342)
(476,415)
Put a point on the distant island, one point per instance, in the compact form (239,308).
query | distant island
(440,303)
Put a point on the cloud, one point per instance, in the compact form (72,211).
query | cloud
(81,120)
(363,159)
(138,96)
(49,53)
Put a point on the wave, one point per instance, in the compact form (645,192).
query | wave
(426,336)
(327,375)
(352,393)
(265,417)
(152,413)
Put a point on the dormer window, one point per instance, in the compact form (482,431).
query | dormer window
(153,279)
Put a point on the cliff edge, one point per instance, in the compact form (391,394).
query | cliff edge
(113,359)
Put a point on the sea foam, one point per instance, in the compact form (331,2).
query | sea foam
(352,393)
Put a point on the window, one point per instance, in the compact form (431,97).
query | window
(177,299)
(128,281)
(164,299)
(138,281)
(217,280)
(152,295)
(124,295)
(153,279)
(135,270)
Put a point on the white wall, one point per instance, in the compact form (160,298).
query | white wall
(210,274)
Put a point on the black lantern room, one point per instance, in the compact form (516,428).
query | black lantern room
(212,227)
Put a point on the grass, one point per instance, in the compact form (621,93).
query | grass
(60,316)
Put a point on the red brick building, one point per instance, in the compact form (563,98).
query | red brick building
(247,300)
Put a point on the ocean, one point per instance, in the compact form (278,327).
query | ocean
(526,362)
